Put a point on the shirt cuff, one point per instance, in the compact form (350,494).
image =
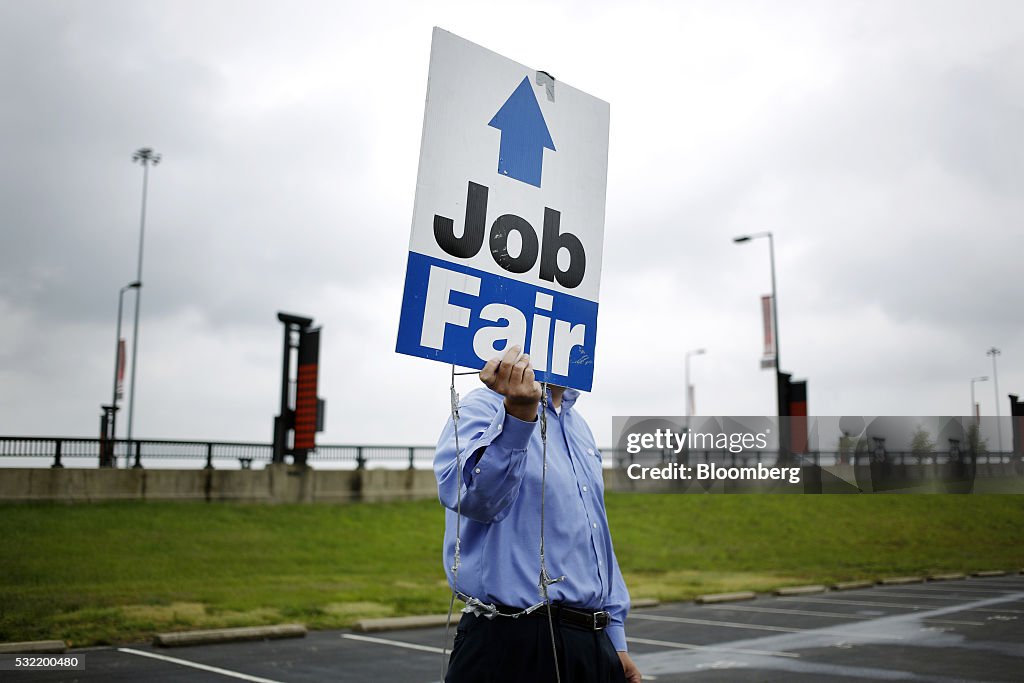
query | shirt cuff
(506,435)
(617,634)
(516,433)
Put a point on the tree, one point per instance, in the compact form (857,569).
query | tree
(922,445)
(975,444)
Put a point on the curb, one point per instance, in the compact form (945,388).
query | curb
(946,577)
(800,590)
(641,603)
(229,635)
(900,580)
(712,598)
(989,572)
(851,585)
(34,646)
(398,623)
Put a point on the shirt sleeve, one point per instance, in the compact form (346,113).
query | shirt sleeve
(493,448)
(618,608)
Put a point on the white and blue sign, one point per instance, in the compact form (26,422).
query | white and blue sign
(508,223)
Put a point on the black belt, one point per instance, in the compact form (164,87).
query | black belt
(592,621)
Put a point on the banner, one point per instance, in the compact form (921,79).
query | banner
(768,359)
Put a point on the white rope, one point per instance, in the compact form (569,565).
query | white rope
(454,396)
(545,580)
(476,606)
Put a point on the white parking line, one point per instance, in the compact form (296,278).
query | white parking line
(1016,585)
(394,643)
(868,603)
(941,597)
(196,665)
(836,615)
(957,587)
(734,624)
(715,648)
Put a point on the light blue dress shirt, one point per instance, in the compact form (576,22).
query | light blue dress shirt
(501,496)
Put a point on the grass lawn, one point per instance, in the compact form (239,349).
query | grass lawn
(118,572)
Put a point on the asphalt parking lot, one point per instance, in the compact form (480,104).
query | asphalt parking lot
(969,630)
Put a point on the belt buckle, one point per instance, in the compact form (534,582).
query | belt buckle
(600,620)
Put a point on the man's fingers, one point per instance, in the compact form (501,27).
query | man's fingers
(538,392)
(519,369)
(511,355)
(531,387)
(512,376)
(488,372)
(528,376)
(508,362)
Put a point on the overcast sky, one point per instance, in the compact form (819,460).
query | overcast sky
(881,142)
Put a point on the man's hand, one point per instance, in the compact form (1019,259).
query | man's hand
(512,376)
(632,673)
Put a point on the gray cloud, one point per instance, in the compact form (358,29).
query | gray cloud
(878,141)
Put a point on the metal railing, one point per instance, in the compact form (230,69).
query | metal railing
(214,454)
(62,448)
(241,454)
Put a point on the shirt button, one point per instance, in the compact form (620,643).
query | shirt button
(499,428)
(594,525)
(477,470)
(584,489)
(590,451)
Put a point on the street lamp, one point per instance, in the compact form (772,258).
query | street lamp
(689,393)
(117,363)
(995,380)
(974,406)
(775,310)
(145,156)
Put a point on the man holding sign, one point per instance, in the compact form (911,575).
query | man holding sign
(494,518)
(505,256)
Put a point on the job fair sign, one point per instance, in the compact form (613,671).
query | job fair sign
(508,221)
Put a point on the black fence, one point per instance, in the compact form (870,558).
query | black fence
(213,454)
(234,454)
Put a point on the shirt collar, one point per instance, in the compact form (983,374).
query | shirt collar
(568,398)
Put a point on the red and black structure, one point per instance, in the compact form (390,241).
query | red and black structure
(302,412)
(795,395)
(1017,417)
(792,416)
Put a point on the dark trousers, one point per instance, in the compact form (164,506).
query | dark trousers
(505,650)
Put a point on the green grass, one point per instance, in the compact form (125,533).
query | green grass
(118,572)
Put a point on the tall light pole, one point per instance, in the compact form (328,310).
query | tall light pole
(775,311)
(995,380)
(117,362)
(146,157)
(689,394)
(974,408)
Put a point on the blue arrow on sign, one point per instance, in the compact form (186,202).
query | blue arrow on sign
(524,136)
